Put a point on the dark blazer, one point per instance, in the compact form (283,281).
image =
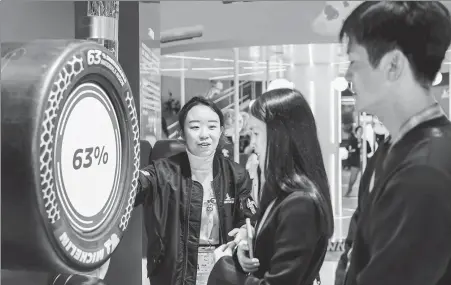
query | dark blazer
(404,230)
(290,245)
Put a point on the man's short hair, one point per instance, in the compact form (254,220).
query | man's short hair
(419,29)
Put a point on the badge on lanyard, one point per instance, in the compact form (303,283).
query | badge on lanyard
(205,263)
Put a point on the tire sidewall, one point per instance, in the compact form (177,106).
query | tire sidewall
(56,221)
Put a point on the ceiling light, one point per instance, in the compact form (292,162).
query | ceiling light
(244,74)
(310,54)
(273,65)
(212,68)
(223,59)
(187,57)
(173,69)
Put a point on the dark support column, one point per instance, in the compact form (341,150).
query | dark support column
(125,266)
(81,10)
(129,44)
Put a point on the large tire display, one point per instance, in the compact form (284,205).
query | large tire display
(70,155)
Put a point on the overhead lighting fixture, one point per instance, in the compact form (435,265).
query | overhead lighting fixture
(243,74)
(212,68)
(223,59)
(173,69)
(230,76)
(310,54)
(187,57)
(252,62)
(254,67)
(264,67)
(248,61)
(275,63)
(231,60)
(438,79)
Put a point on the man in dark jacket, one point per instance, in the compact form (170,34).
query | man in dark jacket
(403,232)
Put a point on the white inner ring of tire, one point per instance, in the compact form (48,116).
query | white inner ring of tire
(89,126)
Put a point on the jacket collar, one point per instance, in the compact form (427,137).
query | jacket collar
(186,168)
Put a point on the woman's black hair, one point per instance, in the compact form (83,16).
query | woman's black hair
(293,160)
(358,128)
(198,100)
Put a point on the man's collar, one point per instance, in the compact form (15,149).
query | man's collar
(432,112)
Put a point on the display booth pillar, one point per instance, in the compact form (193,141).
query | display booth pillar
(125,267)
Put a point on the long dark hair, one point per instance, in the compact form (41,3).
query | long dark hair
(293,160)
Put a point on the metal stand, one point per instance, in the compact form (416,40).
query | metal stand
(103,21)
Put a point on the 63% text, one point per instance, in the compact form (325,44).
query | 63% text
(84,157)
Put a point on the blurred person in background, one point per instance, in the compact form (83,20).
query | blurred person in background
(229,131)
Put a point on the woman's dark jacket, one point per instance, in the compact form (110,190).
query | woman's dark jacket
(290,245)
(172,213)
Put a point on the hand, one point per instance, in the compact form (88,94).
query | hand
(252,162)
(239,234)
(223,250)
(248,264)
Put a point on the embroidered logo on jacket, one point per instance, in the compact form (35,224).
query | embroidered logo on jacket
(228,200)
(225,152)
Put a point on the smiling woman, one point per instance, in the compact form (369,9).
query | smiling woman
(202,125)
(193,201)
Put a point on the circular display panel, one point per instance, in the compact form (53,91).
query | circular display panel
(88,154)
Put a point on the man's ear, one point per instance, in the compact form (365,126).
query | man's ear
(393,63)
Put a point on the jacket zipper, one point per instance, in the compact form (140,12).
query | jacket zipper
(220,215)
(185,255)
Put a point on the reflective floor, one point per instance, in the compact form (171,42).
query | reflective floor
(349,206)
(327,273)
(341,229)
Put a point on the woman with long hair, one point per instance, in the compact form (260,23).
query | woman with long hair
(295,218)
(193,201)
